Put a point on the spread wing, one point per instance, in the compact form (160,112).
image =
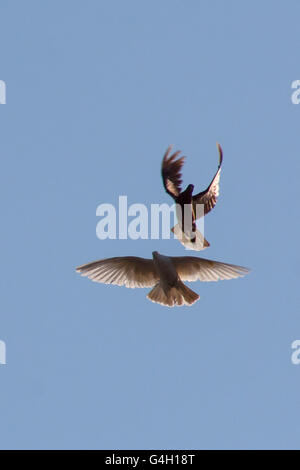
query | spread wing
(191,268)
(129,271)
(171,172)
(210,195)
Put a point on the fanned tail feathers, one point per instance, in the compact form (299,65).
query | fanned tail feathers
(175,296)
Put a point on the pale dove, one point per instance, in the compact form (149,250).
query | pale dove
(165,273)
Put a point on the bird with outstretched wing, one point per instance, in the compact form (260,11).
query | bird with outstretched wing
(164,273)
(189,207)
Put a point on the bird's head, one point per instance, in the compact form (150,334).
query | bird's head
(154,254)
(190,188)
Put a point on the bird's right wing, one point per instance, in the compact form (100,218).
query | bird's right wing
(209,197)
(171,172)
(191,268)
(129,271)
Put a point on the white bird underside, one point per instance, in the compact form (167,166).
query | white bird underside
(199,243)
(163,272)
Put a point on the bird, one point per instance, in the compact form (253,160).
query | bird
(187,205)
(164,273)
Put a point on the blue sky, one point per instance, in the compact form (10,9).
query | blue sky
(96,91)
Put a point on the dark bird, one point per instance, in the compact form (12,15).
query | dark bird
(188,207)
(164,273)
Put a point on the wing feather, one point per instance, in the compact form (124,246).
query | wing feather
(129,271)
(191,268)
(171,172)
(210,195)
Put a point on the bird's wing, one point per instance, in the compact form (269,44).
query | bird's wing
(191,268)
(171,172)
(129,271)
(210,195)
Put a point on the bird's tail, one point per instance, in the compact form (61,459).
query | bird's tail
(198,242)
(175,296)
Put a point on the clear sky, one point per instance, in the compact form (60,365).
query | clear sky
(96,91)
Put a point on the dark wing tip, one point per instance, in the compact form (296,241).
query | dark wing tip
(171,171)
(220,154)
(79,269)
(246,270)
(167,153)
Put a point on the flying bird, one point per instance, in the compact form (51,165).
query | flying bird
(186,204)
(164,273)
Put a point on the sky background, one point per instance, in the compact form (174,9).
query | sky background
(96,91)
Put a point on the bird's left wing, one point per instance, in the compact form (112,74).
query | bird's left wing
(210,195)
(171,172)
(191,268)
(129,271)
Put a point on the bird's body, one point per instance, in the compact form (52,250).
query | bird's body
(170,290)
(164,273)
(165,270)
(189,208)
(186,217)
